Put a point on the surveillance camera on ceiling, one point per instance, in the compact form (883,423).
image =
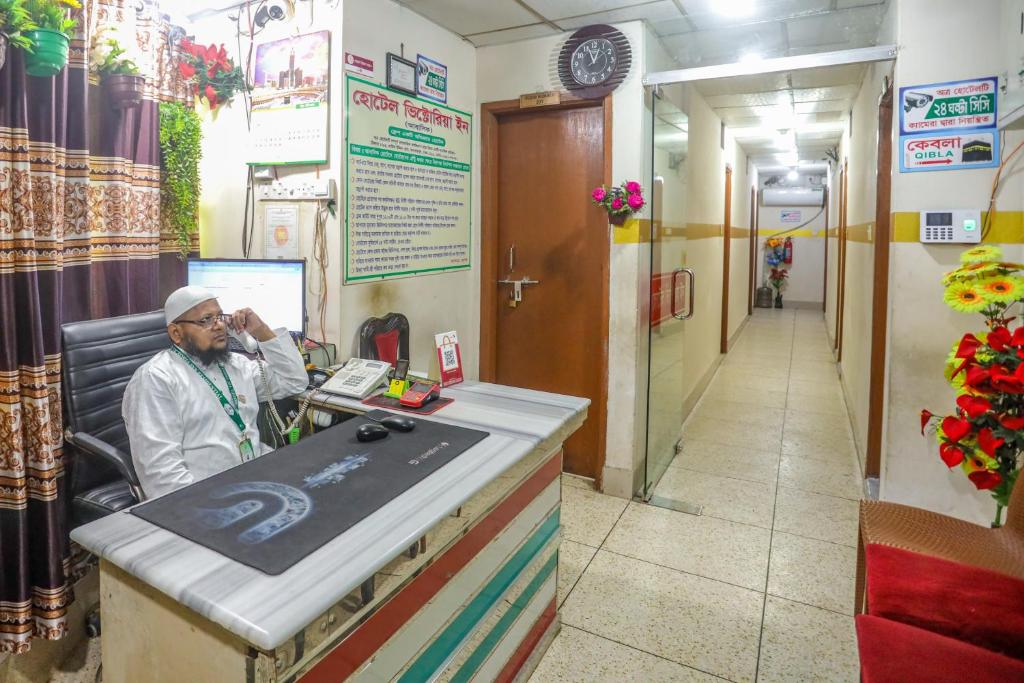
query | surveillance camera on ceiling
(274,10)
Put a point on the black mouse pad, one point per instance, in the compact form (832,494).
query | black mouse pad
(271,512)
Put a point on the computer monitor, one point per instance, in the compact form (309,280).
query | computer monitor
(274,289)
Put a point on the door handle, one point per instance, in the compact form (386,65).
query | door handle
(689,273)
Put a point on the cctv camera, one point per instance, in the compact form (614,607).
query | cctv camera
(273,10)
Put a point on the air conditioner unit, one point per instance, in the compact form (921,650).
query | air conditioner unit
(793,197)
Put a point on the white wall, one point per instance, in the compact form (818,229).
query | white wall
(433,303)
(921,328)
(806,273)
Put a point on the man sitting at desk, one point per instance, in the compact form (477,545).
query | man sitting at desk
(191,410)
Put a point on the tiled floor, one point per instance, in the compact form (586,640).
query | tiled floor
(758,588)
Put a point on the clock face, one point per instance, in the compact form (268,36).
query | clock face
(593,62)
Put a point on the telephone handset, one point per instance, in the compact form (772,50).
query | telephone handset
(358,378)
(245,339)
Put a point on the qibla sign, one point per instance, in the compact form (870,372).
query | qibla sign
(949,126)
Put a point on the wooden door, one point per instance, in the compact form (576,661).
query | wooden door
(726,252)
(540,169)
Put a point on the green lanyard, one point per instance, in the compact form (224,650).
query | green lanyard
(231,408)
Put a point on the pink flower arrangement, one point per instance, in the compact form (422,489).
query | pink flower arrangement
(620,202)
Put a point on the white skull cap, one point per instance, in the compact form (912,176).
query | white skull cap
(183,299)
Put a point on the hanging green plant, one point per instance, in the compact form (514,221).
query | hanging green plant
(180,151)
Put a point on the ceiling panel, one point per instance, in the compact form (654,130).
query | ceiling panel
(757,99)
(707,14)
(471,16)
(673,26)
(739,85)
(821,106)
(843,4)
(560,9)
(723,45)
(855,26)
(511,35)
(834,75)
(653,12)
(836,92)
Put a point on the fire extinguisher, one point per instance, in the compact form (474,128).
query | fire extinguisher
(787,251)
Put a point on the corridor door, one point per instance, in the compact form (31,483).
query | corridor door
(549,332)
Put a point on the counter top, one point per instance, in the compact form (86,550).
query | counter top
(266,610)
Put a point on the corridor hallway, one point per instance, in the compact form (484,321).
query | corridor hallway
(759,587)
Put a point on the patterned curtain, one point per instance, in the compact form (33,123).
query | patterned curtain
(79,239)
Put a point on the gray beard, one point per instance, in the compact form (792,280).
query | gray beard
(207,357)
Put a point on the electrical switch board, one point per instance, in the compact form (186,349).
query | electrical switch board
(297,190)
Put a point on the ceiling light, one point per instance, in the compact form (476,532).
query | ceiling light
(750,58)
(792,175)
(734,8)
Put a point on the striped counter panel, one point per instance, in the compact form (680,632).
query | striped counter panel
(477,611)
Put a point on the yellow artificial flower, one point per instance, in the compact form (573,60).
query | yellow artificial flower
(1002,289)
(971,271)
(965,297)
(978,461)
(984,252)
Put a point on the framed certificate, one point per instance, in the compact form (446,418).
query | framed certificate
(401,74)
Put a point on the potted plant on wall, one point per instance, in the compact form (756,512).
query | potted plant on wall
(180,150)
(51,37)
(122,83)
(14,22)
(620,202)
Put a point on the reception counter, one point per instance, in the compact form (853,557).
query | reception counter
(463,567)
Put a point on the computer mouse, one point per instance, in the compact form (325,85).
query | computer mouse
(371,432)
(398,423)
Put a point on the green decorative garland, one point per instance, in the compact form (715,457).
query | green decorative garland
(180,151)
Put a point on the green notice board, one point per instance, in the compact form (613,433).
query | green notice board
(408,165)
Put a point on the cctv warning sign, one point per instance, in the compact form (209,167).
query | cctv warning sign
(956,105)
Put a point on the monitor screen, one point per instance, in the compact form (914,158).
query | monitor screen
(275,290)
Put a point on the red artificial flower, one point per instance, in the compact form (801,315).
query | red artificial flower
(1005,381)
(211,97)
(999,339)
(926,416)
(1018,337)
(968,346)
(989,442)
(973,406)
(977,377)
(212,71)
(1014,422)
(955,428)
(186,69)
(222,59)
(984,479)
(951,455)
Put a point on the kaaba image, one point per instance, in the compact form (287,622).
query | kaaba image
(977,150)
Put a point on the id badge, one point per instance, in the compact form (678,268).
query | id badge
(246,449)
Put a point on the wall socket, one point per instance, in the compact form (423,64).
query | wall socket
(297,190)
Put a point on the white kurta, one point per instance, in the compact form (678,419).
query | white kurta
(178,430)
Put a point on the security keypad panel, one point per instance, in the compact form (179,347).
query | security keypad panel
(951,226)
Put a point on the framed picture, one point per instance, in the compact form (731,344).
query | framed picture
(401,74)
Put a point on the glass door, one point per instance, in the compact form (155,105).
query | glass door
(671,282)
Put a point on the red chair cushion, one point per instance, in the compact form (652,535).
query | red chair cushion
(891,652)
(964,602)
(387,346)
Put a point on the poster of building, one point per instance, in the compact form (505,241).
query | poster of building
(409,181)
(290,101)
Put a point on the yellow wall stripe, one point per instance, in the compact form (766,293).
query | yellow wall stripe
(802,232)
(637,230)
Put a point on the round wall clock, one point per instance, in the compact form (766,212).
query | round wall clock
(594,61)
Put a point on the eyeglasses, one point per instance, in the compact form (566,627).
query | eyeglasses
(208,321)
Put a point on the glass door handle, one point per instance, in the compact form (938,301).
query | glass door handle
(689,312)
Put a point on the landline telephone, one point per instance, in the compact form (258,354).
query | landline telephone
(357,378)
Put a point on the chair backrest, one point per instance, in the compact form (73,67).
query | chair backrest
(385,339)
(99,357)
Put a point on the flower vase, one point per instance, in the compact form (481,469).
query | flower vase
(778,300)
(618,218)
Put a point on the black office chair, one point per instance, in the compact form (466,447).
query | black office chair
(99,357)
